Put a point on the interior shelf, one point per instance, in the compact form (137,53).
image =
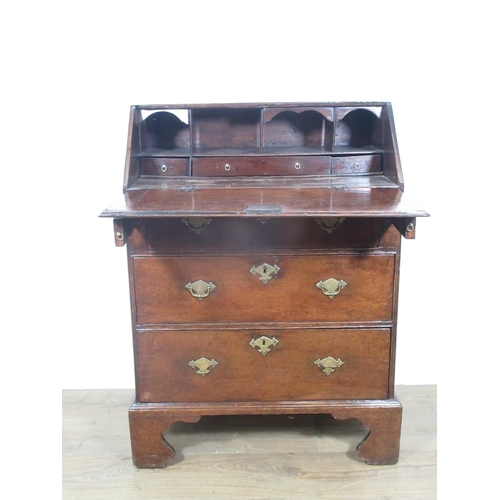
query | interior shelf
(298,129)
(236,130)
(161,153)
(253,131)
(172,141)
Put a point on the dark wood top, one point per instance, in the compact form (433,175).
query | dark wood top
(311,105)
(306,197)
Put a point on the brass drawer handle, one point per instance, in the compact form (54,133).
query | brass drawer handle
(328,364)
(200,289)
(265,271)
(328,224)
(264,344)
(331,286)
(202,366)
(197,224)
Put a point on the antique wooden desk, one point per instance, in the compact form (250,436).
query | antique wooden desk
(263,248)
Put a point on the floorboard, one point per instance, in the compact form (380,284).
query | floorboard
(254,457)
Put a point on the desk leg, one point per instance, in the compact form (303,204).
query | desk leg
(149,448)
(381,445)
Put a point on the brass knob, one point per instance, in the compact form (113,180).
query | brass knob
(202,366)
(227,167)
(297,166)
(331,286)
(328,364)
(200,289)
(164,168)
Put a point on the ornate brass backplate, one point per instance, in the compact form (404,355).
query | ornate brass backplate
(331,286)
(330,223)
(202,366)
(200,289)
(197,224)
(265,271)
(328,364)
(264,344)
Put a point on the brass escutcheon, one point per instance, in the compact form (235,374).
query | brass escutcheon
(264,344)
(200,289)
(331,286)
(197,224)
(328,364)
(265,271)
(202,366)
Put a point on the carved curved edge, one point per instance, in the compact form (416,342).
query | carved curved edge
(149,448)
(379,447)
(270,113)
(382,443)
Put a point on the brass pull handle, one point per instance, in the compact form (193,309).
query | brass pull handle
(265,271)
(328,224)
(200,289)
(197,224)
(202,366)
(331,286)
(264,344)
(328,364)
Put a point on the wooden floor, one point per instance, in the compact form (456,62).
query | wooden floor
(244,457)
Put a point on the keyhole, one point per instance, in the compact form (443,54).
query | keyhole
(265,269)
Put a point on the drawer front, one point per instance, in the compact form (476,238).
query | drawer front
(365,164)
(264,288)
(197,234)
(175,366)
(259,165)
(163,166)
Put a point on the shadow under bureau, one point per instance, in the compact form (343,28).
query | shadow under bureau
(263,250)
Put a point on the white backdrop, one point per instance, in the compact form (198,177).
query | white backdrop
(70,71)
(74,70)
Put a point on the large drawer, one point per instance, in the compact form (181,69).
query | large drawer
(263,288)
(175,366)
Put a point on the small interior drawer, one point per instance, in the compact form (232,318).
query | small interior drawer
(261,165)
(362,164)
(163,166)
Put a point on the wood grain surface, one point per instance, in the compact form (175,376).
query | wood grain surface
(254,457)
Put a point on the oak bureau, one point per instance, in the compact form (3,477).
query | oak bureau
(263,250)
